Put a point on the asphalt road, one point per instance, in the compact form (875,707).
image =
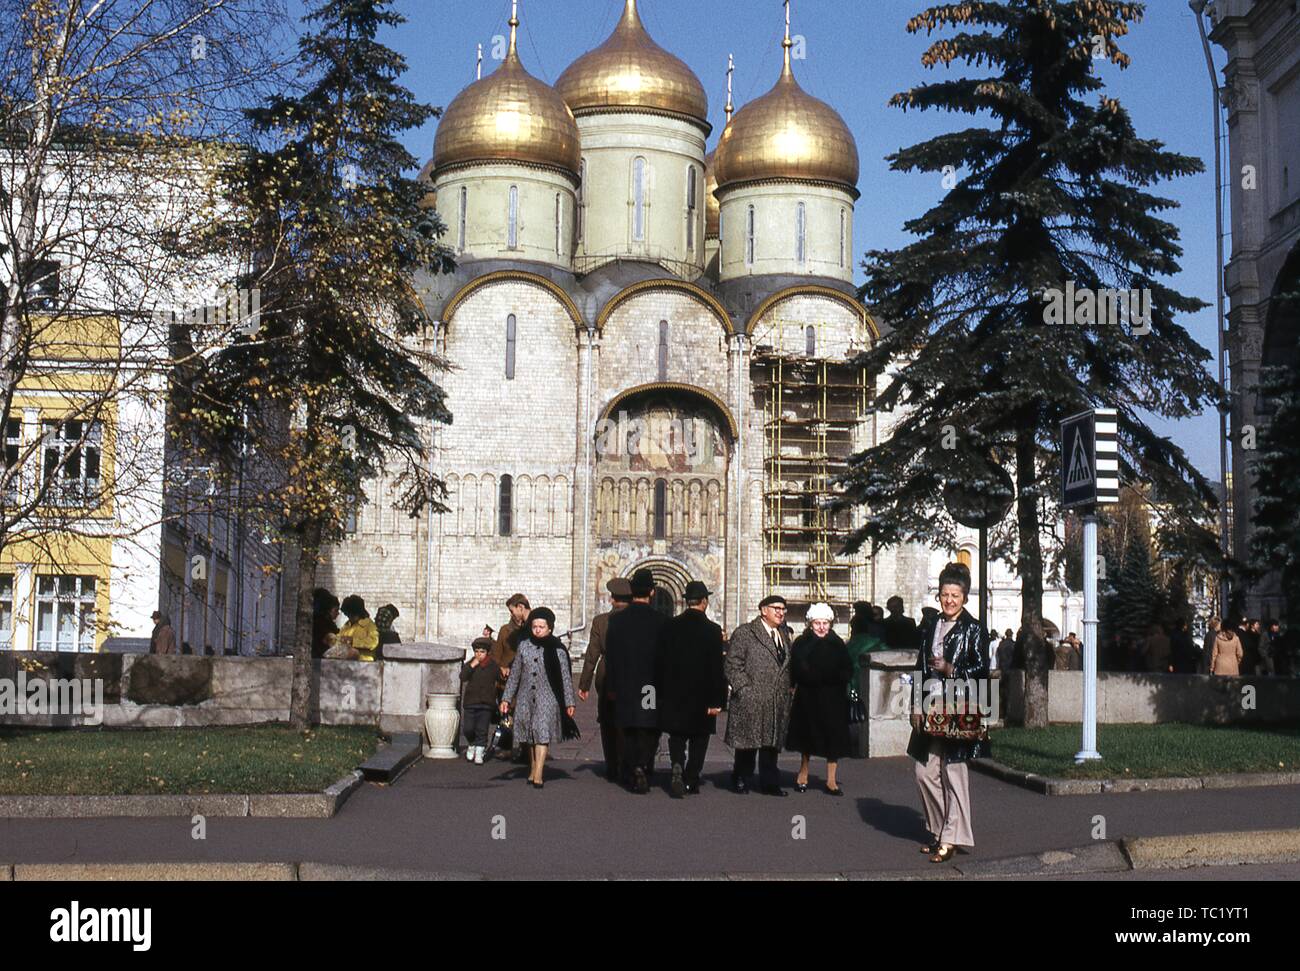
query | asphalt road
(457,818)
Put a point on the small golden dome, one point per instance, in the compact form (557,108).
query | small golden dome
(712,209)
(508,116)
(787,134)
(630,70)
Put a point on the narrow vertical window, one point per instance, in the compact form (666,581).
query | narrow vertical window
(843,235)
(801,234)
(661,508)
(663,350)
(721,237)
(510,348)
(810,341)
(512,222)
(559,223)
(690,209)
(507,498)
(464,208)
(638,199)
(749,237)
(582,198)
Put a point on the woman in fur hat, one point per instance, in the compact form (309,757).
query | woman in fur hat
(821,669)
(540,689)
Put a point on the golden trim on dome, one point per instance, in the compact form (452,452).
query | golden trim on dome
(508,116)
(680,286)
(513,276)
(814,290)
(630,70)
(712,208)
(787,134)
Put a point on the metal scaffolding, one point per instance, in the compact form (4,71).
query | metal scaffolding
(814,408)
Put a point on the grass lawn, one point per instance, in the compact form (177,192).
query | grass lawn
(245,759)
(1149,751)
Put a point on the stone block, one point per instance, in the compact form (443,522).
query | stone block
(258,683)
(348,692)
(169,680)
(887,737)
(102,667)
(154,871)
(142,716)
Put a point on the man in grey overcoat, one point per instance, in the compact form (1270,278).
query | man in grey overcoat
(758,668)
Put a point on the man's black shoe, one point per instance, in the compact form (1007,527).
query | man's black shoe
(738,785)
(640,784)
(773,791)
(678,788)
(692,788)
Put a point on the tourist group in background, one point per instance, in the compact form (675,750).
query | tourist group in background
(654,675)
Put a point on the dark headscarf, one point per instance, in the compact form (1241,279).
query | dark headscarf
(553,655)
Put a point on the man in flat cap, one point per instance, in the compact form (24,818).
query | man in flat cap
(611,740)
(692,687)
(505,649)
(758,667)
(631,641)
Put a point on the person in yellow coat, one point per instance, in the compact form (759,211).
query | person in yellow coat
(360,632)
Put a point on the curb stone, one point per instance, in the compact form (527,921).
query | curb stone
(6,873)
(1050,786)
(1211,849)
(154,871)
(305,805)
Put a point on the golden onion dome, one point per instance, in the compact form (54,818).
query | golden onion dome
(630,70)
(787,134)
(712,209)
(508,116)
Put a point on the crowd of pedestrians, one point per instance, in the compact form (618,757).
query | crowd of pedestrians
(654,675)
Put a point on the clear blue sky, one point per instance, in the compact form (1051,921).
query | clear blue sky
(858,54)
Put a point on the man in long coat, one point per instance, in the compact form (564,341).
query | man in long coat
(692,687)
(630,645)
(758,667)
(611,740)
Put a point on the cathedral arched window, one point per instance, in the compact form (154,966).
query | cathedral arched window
(749,237)
(844,234)
(661,508)
(464,208)
(801,233)
(510,347)
(663,350)
(690,208)
(638,199)
(582,199)
(512,219)
(559,223)
(810,341)
(505,503)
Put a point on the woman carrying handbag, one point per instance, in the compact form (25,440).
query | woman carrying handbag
(953,649)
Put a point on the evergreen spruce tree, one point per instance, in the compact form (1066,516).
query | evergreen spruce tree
(331,389)
(1049,199)
(1138,601)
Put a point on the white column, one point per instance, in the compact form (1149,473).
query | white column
(1088,753)
(24,621)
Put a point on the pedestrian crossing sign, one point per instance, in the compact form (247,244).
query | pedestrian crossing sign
(1090,458)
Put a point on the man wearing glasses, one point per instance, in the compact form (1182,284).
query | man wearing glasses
(758,668)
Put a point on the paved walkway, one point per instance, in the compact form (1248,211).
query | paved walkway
(442,816)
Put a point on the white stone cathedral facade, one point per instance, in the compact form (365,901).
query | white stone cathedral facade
(651,348)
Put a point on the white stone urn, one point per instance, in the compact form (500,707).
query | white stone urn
(441,722)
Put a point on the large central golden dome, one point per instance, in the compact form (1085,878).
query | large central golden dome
(787,134)
(508,116)
(630,70)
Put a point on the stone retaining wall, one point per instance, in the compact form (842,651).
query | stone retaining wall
(174,691)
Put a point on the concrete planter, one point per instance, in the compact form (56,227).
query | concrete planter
(441,722)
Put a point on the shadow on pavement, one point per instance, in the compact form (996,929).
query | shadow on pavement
(903,822)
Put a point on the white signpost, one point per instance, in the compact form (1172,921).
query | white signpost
(1089,478)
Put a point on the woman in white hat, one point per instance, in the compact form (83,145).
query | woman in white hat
(821,669)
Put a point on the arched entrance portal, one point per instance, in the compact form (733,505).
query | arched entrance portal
(670,583)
